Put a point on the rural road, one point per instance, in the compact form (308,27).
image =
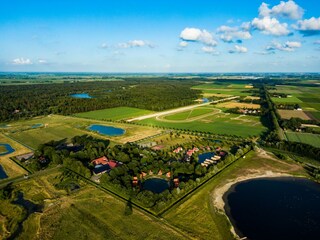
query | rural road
(182,109)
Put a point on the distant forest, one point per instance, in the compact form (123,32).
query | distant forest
(157,94)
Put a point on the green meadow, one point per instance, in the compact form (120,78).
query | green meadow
(308,138)
(189,114)
(117,113)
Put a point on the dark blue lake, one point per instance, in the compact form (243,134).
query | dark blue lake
(80,95)
(277,208)
(107,130)
(156,185)
(8,148)
(204,156)
(2,173)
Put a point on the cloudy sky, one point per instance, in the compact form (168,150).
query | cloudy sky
(160,36)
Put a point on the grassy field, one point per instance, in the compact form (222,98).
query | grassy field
(190,114)
(308,138)
(58,127)
(198,216)
(286,100)
(85,214)
(230,124)
(287,114)
(9,166)
(118,113)
(166,141)
(224,90)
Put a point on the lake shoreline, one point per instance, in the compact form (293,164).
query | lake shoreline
(217,196)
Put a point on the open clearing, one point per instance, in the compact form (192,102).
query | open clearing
(220,123)
(238,105)
(191,114)
(118,113)
(223,90)
(85,214)
(56,127)
(10,167)
(287,114)
(308,138)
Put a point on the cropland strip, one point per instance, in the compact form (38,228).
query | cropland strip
(182,109)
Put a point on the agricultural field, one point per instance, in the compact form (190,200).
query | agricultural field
(56,127)
(308,98)
(10,167)
(115,114)
(224,90)
(83,214)
(167,140)
(287,114)
(190,114)
(217,123)
(234,104)
(308,138)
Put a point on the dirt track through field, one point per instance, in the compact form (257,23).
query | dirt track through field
(182,109)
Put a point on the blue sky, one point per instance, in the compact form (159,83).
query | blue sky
(160,36)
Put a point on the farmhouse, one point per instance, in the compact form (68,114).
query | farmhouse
(100,161)
(177,150)
(103,165)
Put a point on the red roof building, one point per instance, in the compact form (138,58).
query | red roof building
(100,161)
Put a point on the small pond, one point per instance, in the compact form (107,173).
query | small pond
(5,149)
(106,130)
(37,125)
(80,95)
(205,100)
(204,156)
(275,208)
(156,185)
(2,173)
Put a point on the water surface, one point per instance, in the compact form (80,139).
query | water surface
(80,95)
(156,185)
(8,148)
(204,156)
(277,208)
(107,130)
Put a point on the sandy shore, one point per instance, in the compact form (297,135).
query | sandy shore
(217,195)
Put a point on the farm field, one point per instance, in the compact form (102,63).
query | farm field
(168,141)
(118,113)
(56,127)
(224,90)
(234,104)
(230,124)
(308,98)
(198,215)
(84,214)
(308,138)
(287,114)
(10,167)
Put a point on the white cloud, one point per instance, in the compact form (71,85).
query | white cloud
(210,50)
(288,46)
(135,43)
(270,26)
(239,49)
(308,27)
(287,9)
(246,26)
(42,61)
(22,61)
(316,42)
(183,44)
(104,45)
(230,33)
(197,35)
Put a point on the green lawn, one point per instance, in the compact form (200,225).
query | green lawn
(312,139)
(291,99)
(189,114)
(118,113)
(220,125)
